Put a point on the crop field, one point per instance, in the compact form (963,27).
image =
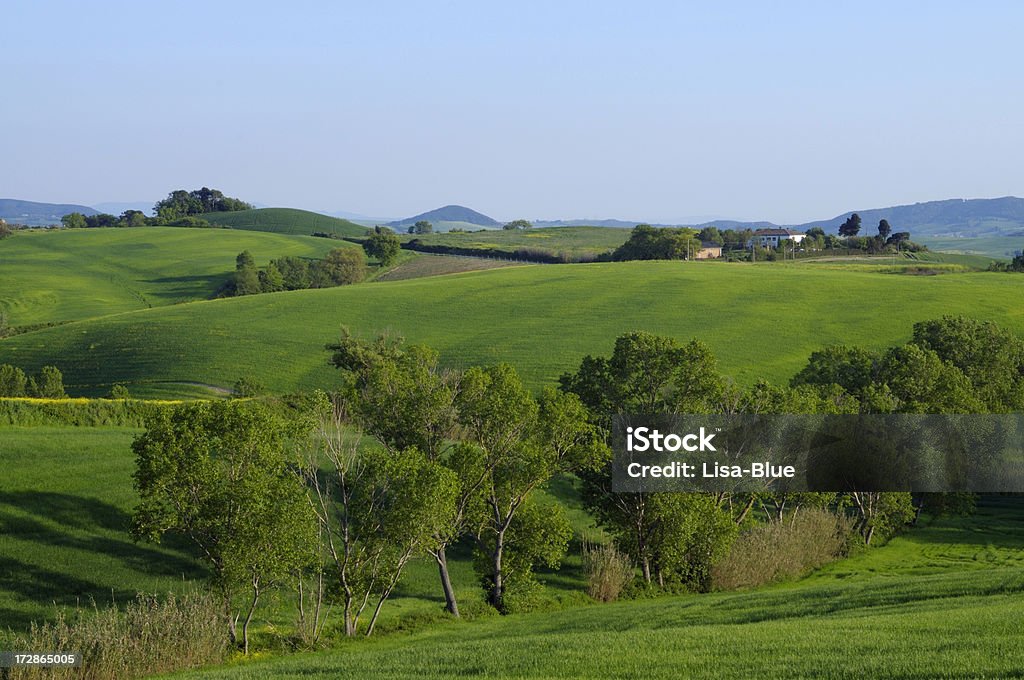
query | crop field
(762,321)
(56,276)
(284,221)
(941,601)
(575,241)
(437,265)
(1001,247)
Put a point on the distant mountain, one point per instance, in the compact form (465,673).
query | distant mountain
(973,217)
(614,224)
(38,214)
(449,213)
(118,207)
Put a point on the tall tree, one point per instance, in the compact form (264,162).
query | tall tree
(383,245)
(884,229)
(851,227)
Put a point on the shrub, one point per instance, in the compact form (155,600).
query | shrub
(79,412)
(148,636)
(782,550)
(608,571)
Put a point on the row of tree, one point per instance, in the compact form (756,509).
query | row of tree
(339,267)
(179,209)
(47,384)
(460,455)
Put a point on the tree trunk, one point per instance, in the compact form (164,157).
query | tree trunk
(446,583)
(498,587)
(646,566)
(248,619)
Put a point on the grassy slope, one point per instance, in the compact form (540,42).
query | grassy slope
(65,502)
(285,221)
(1002,247)
(571,240)
(762,321)
(75,274)
(423,265)
(944,600)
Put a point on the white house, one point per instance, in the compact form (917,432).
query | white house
(770,238)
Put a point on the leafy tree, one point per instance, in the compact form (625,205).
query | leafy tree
(383,245)
(294,272)
(522,443)
(181,203)
(421,227)
(49,384)
(246,280)
(884,229)
(101,220)
(247,387)
(711,235)
(132,218)
(650,243)
(219,473)
(378,509)
(119,391)
(13,382)
(517,224)
(851,227)
(271,279)
(345,265)
(244,259)
(5,230)
(74,220)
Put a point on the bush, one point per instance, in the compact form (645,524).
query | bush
(783,550)
(608,571)
(148,636)
(77,412)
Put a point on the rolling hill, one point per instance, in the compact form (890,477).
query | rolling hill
(954,217)
(443,218)
(38,214)
(57,276)
(284,221)
(762,321)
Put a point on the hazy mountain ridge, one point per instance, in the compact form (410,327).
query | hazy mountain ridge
(450,213)
(16,211)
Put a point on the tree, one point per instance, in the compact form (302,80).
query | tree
(401,396)
(74,220)
(219,473)
(119,391)
(421,227)
(294,272)
(851,227)
(884,229)
(13,381)
(711,235)
(517,224)
(246,280)
(345,265)
(100,220)
(49,384)
(377,509)
(521,443)
(181,203)
(132,218)
(271,279)
(5,230)
(650,243)
(383,245)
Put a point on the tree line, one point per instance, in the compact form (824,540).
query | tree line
(339,267)
(179,209)
(47,384)
(459,456)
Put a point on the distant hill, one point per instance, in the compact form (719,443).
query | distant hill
(959,217)
(449,213)
(285,221)
(38,214)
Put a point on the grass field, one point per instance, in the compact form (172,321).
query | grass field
(575,241)
(65,502)
(762,321)
(1001,247)
(436,265)
(55,276)
(285,221)
(941,601)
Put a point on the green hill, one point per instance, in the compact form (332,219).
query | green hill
(56,276)
(284,221)
(762,321)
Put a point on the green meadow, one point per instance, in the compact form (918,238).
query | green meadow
(284,221)
(575,241)
(762,321)
(1001,247)
(943,600)
(61,275)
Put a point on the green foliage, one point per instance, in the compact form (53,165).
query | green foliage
(246,388)
(382,245)
(13,382)
(119,391)
(74,220)
(517,224)
(421,227)
(343,266)
(218,473)
(851,227)
(651,243)
(181,203)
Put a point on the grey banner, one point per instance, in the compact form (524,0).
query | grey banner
(797,453)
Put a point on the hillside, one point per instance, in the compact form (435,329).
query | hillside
(449,213)
(56,276)
(575,242)
(38,214)
(941,601)
(542,319)
(954,217)
(284,221)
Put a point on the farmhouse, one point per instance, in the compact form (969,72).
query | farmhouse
(708,251)
(770,238)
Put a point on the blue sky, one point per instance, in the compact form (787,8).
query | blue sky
(659,111)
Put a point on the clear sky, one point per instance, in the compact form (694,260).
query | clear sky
(660,111)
